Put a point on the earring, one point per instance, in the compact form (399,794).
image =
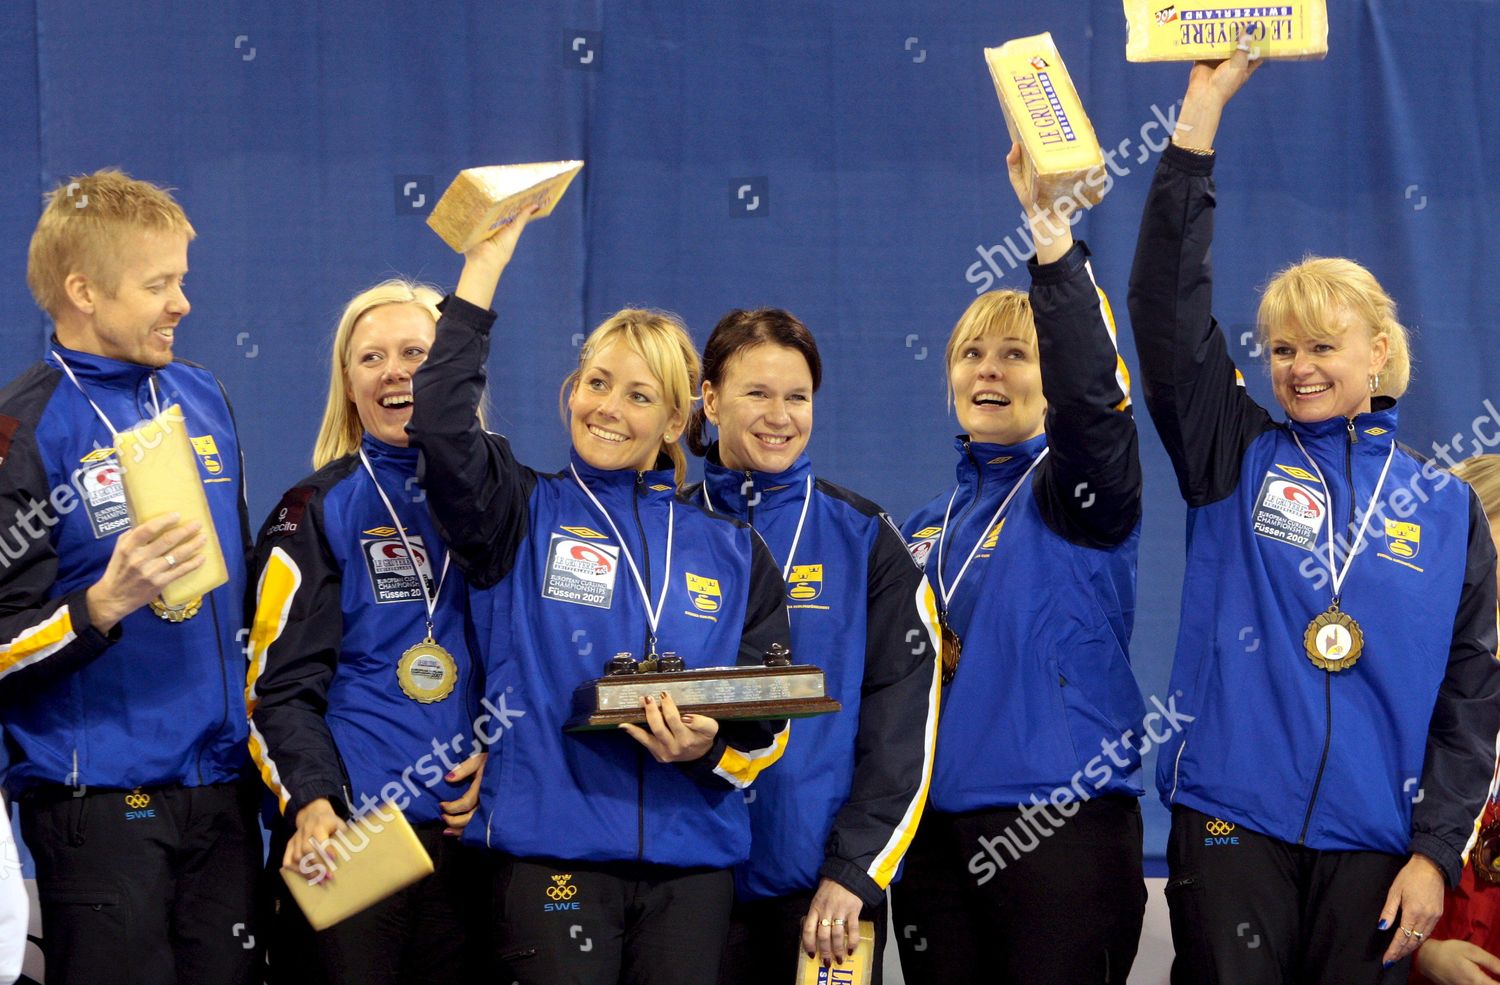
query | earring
(1375,383)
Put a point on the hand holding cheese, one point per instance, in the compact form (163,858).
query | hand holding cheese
(486,260)
(138,568)
(1050,229)
(1210,87)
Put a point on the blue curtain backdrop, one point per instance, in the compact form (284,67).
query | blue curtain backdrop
(840,160)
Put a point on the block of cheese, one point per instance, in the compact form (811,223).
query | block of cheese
(481,200)
(1194,30)
(1045,116)
(159,470)
(376,856)
(856,971)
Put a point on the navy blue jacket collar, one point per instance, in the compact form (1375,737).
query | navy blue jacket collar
(993,461)
(657,482)
(1373,433)
(102,370)
(732,491)
(379,452)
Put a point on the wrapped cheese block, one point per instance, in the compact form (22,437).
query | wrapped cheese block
(858,970)
(159,470)
(1194,30)
(1043,113)
(377,856)
(481,200)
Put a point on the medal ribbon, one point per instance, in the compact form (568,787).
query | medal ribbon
(653,617)
(429,599)
(945,593)
(786,569)
(150,381)
(1336,575)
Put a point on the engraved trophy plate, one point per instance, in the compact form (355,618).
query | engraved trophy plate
(779,690)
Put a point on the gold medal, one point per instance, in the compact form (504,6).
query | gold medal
(952,649)
(427,672)
(176,613)
(1333,640)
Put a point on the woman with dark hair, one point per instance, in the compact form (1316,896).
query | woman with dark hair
(1332,774)
(829,826)
(1029,862)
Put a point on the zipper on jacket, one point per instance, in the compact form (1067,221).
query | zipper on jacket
(640,757)
(213,608)
(978,490)
(749,499)
(1328,677)
(635,506)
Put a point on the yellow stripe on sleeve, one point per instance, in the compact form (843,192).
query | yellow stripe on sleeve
(279,582)
(883,870)
(741,768)
(37,642)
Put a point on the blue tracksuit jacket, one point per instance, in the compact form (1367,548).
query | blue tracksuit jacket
(1393,754)
(152,702)
(554,599)
(845,800)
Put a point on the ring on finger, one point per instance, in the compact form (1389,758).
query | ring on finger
(838,921)
(825,922)
(171,561)
(1417,935)
(1408,931)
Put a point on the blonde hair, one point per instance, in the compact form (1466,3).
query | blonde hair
(341,431)
(84,229)
(997,314)
(1314,294)
(662,341)
(1483,473)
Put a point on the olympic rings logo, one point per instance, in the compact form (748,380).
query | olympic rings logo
(135,801)
(562,891)
(1218,828)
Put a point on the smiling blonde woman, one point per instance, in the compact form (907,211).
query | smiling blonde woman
(1337,638)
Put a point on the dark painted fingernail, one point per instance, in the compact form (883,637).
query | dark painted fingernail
(1389,964)
(1384,924)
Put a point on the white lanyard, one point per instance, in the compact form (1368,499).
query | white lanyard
(786,569)
(945,593)
(429,599)
(150,380)
(1338,576)
(653,617)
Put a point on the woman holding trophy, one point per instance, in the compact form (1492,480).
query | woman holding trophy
(612,851)
(1337,642)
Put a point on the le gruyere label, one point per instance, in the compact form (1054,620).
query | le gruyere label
(1044,115)
(1193,31)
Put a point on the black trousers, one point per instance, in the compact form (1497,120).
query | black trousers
(1252,910)
(574,923)
(148,887)
(1029,898)
(427,934)
(765,937)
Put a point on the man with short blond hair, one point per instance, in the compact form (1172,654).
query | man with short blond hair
(125,715)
